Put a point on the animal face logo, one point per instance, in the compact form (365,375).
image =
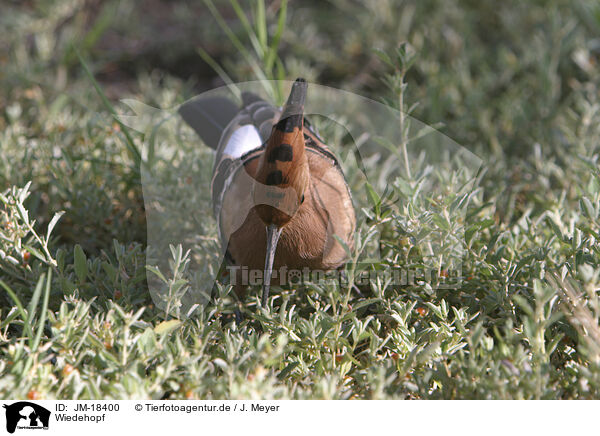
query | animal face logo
(26,415)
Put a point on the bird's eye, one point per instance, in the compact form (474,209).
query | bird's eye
(302,199)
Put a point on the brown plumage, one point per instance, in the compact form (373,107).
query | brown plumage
(281,202)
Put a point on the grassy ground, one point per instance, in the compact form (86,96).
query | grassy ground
(516,83)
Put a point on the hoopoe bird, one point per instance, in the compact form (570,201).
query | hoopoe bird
(279,194)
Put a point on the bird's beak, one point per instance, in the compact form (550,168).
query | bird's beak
(273,233)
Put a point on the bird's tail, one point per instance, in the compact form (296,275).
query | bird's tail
(208,117)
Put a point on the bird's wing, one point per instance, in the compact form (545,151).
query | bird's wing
(315,144)
(259,117)
(329,182)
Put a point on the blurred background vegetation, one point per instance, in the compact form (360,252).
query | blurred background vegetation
(517,83)
(500,78)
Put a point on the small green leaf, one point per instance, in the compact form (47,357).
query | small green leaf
(81,269)
(167,326)
(157,272)
(52,223)
(35,298)
(287,370)
(374,198)
(60,259)
(110,271)
(23,213)
(383,56)
(147,341)
(586,205)
(43,312)
(37,253)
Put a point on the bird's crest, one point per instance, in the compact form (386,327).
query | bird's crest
(284,163)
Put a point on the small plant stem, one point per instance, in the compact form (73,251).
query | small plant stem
(402,121)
